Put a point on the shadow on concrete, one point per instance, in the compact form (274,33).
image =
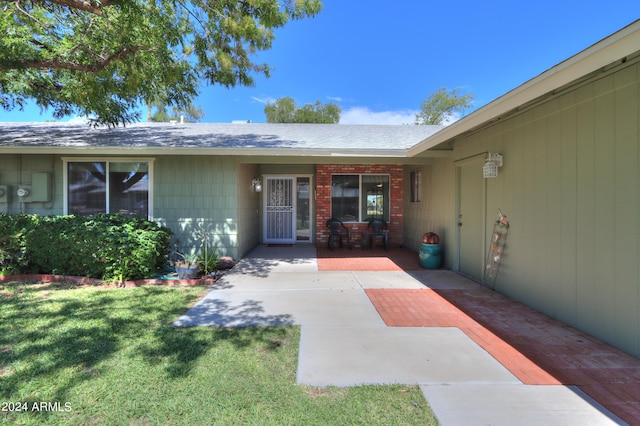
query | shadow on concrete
(223,313)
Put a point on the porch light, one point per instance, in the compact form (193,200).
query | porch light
(256,184)
(491,165)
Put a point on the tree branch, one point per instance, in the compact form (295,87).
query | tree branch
(57,64)
(85,5)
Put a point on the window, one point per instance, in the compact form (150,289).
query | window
(358,198)
(118,186)
(416,177)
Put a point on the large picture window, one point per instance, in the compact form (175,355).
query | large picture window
(359,198)
(118,186)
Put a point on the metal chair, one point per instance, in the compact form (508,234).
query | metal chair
(338,231)
(377,228)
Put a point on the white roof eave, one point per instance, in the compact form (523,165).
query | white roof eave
(266,152)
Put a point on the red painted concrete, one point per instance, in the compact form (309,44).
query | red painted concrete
(534,347)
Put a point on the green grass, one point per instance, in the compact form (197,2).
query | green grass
(111,356)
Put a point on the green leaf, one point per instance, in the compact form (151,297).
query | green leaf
(104,62)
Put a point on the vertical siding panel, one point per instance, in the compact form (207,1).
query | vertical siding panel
(551,230)
(514,156)
(626,208)
(528,222)
(604,206)
(538,184)
(585,216)
(567,207)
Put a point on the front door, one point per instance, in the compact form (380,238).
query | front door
(279,210)
(470,219)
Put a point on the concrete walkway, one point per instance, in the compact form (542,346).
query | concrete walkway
(346,342)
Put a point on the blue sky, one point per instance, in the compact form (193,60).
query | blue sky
(379,59)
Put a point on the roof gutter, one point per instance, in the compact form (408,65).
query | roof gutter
(241,152)
(613,48)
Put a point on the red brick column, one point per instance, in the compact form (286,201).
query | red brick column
(323,198)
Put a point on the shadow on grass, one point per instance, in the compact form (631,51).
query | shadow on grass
(53,341)
(53,336)
(181,348)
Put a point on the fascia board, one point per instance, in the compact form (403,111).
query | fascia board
(271,152)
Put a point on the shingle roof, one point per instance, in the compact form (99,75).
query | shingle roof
(227,138)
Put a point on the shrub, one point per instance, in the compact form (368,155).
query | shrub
(106,246)
(13,250)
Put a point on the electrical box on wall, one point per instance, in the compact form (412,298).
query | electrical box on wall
(40,187)
(39,191)
(4,193)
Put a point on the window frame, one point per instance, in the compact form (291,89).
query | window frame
(416,186)
(107,160)
(361,196)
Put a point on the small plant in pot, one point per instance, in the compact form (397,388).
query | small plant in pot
(430,238)
(188,267)
(430,251)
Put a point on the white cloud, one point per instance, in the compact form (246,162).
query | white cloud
(265,100)
(363,115)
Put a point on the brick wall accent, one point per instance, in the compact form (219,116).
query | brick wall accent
(323,198)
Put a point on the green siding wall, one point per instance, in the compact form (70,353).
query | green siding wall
(418,215)
(249,217)
(191,194)
(196,194)
(570,186)
(16,169)
(436,210)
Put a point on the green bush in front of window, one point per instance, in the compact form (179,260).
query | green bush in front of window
(13,251)
(111,247)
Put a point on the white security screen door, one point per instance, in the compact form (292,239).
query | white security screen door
(279,208)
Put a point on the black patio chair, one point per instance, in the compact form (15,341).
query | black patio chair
(338,231)
(377,228)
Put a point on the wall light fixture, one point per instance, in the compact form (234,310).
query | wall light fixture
(256,184)
(491,165)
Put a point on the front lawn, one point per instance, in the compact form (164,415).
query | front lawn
(110,356)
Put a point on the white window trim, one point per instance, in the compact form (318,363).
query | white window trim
(360,215)
(65,177)
(415,186)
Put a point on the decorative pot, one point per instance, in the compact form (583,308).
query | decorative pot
(430,256)
(186,271)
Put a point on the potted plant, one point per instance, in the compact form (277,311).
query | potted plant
(430,251)
(188,267)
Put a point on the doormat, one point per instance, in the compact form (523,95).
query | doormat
(279,245)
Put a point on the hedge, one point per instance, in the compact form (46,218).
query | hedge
(111,247)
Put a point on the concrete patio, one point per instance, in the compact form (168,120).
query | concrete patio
(479,357)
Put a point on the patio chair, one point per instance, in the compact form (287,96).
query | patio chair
(338,231)
(377,228)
